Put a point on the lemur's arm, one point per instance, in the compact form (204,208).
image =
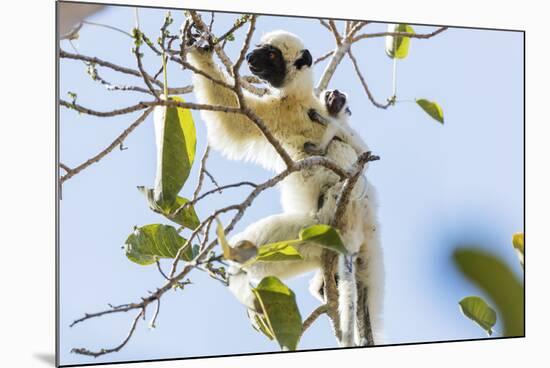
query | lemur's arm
(229,126)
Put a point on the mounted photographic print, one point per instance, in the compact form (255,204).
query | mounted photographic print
(235,183)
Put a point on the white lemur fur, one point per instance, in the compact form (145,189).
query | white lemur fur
(285,112)
(336,121)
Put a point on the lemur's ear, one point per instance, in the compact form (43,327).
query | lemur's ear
(304,59)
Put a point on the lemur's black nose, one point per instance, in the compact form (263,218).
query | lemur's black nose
(248,56)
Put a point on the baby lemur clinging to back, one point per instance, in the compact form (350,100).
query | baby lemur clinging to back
(336,123)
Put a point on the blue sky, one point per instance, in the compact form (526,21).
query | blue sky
(439,186)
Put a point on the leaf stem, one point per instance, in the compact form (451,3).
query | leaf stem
(394,78)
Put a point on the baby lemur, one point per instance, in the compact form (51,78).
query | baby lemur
(336,123)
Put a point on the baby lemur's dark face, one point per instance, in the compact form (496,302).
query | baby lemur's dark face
(335,101)
(267,62)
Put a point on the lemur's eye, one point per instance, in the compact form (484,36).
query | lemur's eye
(271,55)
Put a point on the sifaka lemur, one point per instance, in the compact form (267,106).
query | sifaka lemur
(308,196)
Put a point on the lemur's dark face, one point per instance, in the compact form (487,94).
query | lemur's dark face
(267,62)
(335,101)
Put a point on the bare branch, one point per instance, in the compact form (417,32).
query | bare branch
(356,27)
(95,354)
(337,56)
(218,189)
(328,266)
(325,24)
(153,322)
(65,167)
(103,114)
(343,198)
(107,64)
(334,30)
(235,27)
(142,72)
(110,87)
(321,58)
(113,309)
(364,83)
(118,141)
(107,26)
(145,104)
(400,34)
(200,180)
(159,268)
(213,180)
(313,316)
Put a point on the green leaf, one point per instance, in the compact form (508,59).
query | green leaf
(280,310)
(176,145)
(324,235)
(478,311)
(398,46)
(517,241)
(226,248)
(186,217)
(499,283)
(431,108)
(151,242)
(281,251)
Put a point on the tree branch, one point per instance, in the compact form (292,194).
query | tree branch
(95,354)
(313,316)
(321,58)
(107,64)
(118,141)
(364,83)
(399,34)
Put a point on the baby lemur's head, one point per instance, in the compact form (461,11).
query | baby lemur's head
(282,61)
(336,102)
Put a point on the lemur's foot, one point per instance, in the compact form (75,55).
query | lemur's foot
(313,149)
(196,38)
(315,116)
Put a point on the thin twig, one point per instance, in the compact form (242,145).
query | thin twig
(321,58)
(65,167)
(201,178)
(153,322)
(145,104)
(107,26)
(213,180)
(356,28)
(400,34)
(364,83)
(107,64)
(118,141)
(325,24)
(160,270)
(334,30)
(95,354)
(143,74)
(235,27)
